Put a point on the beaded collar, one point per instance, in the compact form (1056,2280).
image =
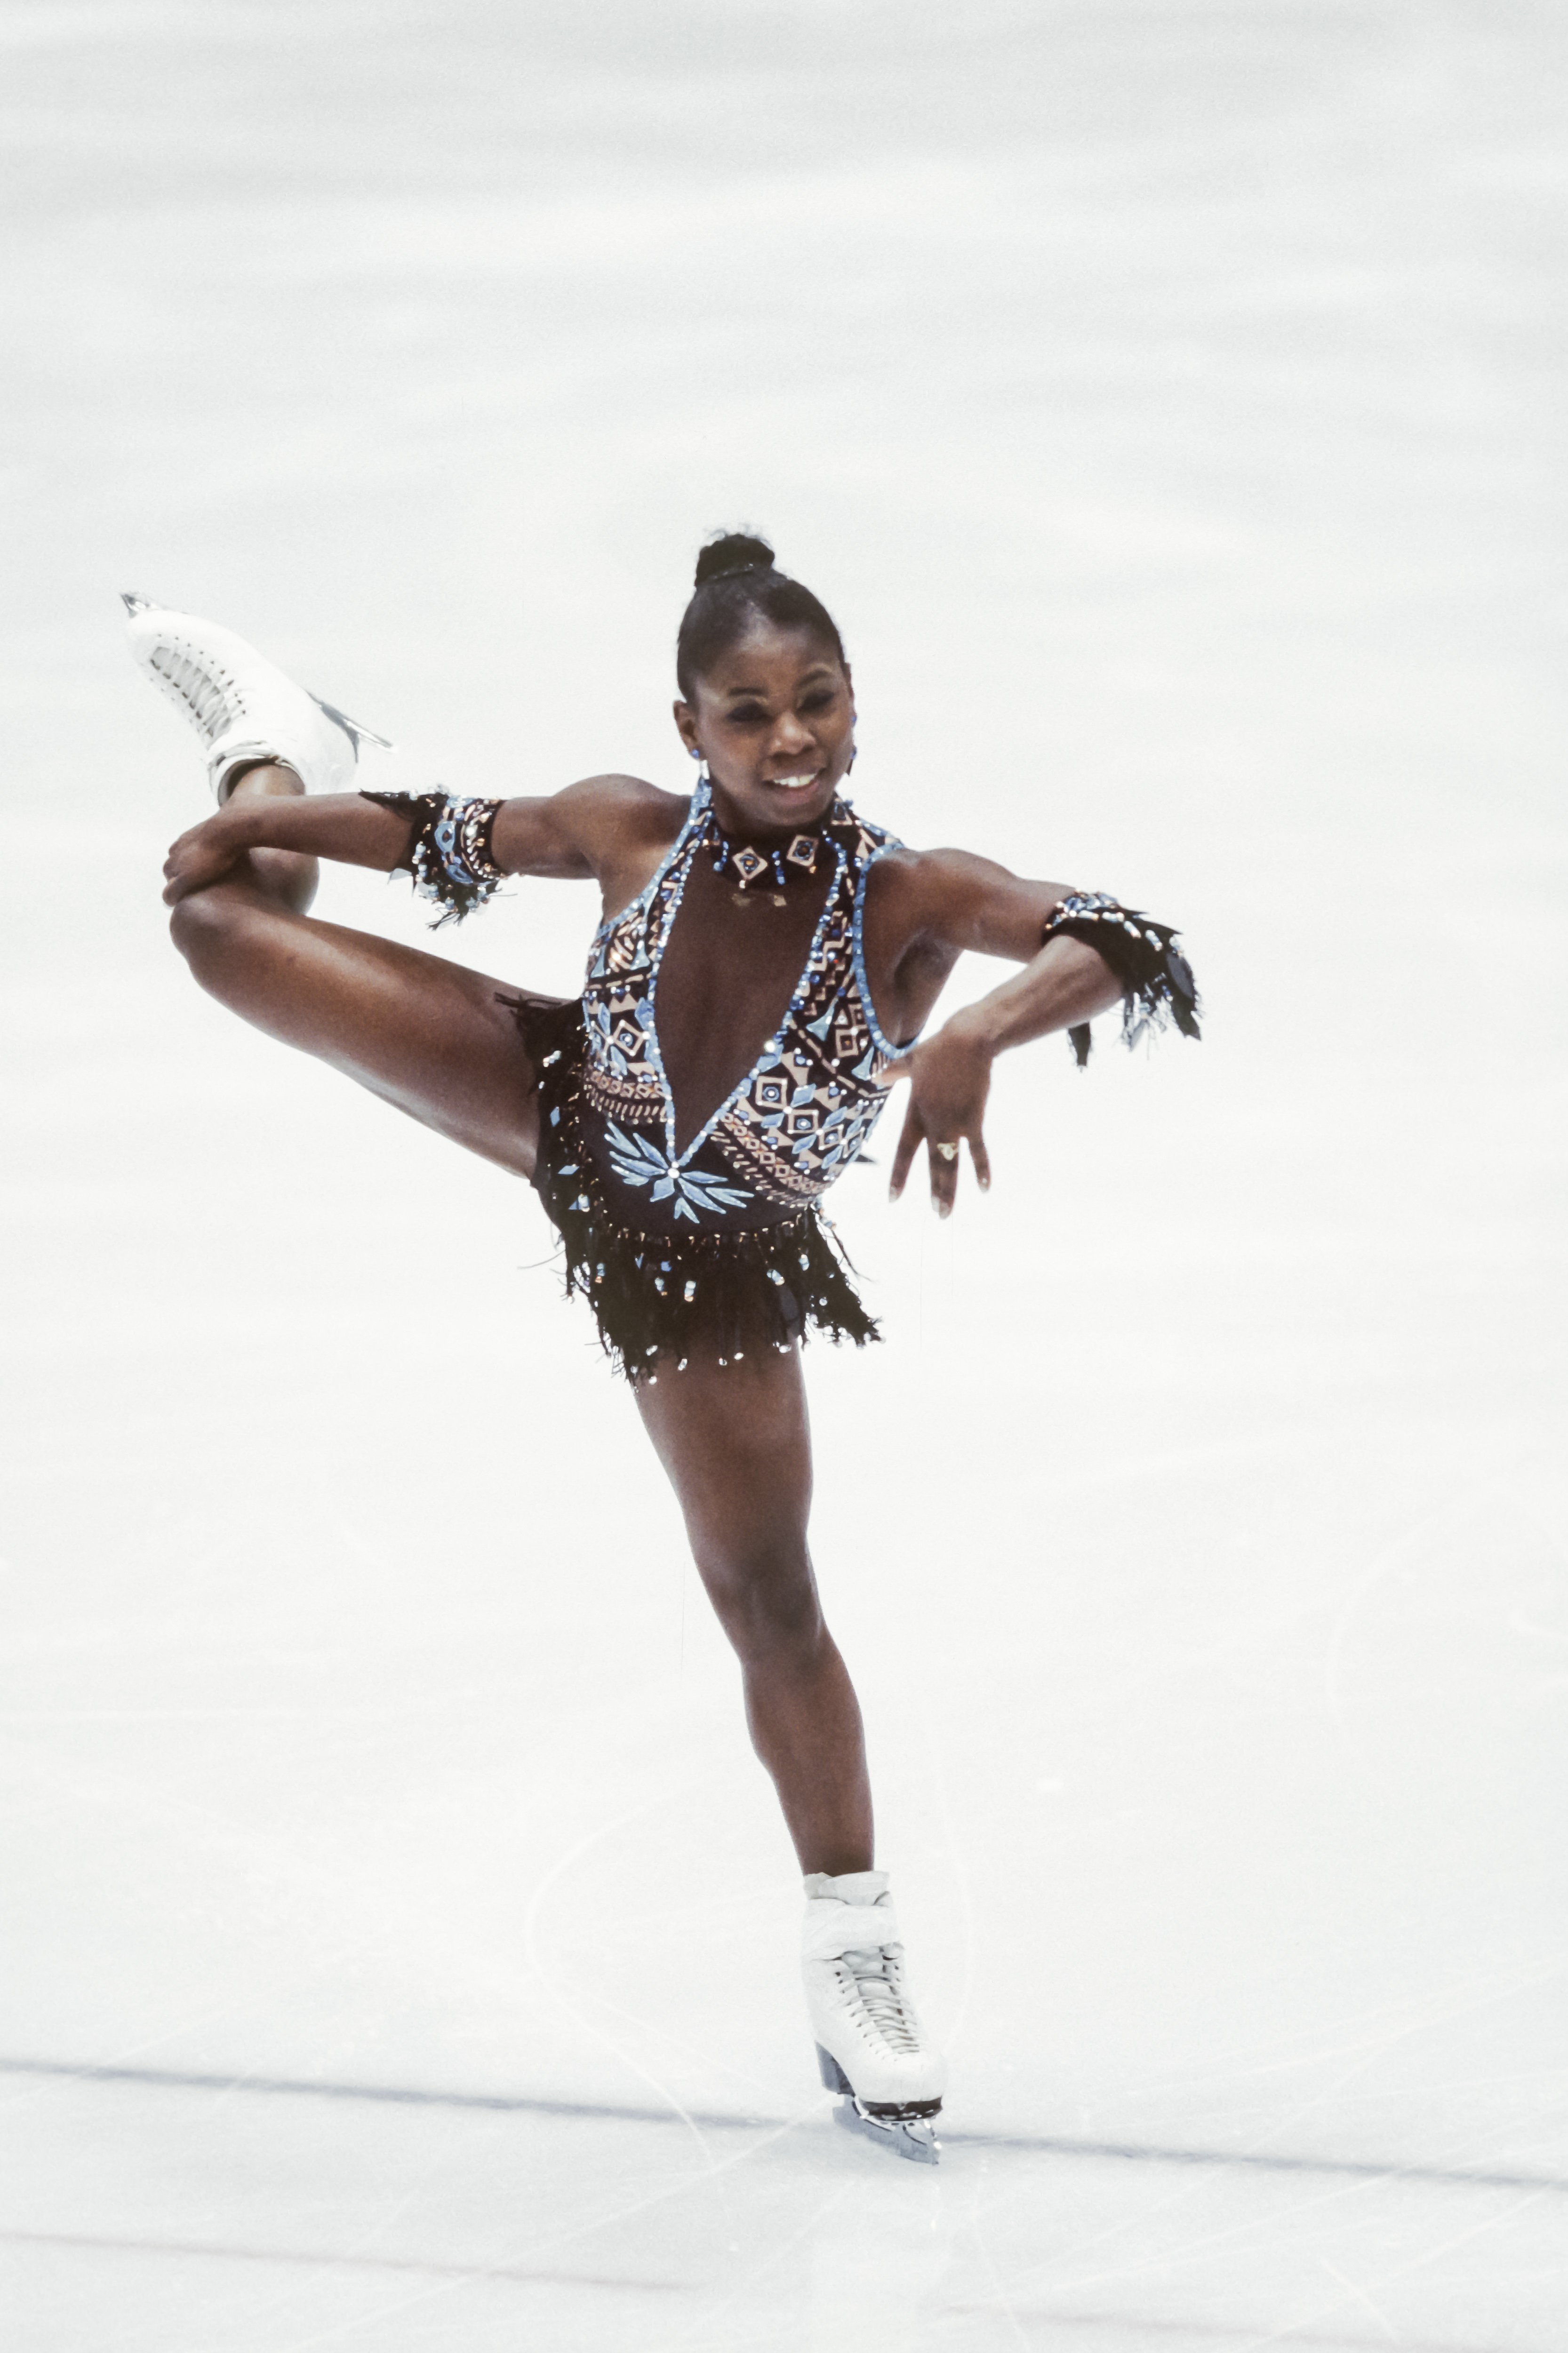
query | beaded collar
(781,862)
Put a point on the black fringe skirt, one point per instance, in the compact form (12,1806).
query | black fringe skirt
(716,1294)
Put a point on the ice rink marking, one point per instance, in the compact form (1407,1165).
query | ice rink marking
(717,2120)
(101,2242)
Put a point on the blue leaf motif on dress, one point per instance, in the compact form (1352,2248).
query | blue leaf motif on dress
(637,1161)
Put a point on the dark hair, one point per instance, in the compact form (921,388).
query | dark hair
(737,584)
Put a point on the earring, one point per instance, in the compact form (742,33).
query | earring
(694,752)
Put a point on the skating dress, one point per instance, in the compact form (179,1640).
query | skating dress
(719,1245)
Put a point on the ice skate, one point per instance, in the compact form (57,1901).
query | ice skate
(241,706)
(870,2042)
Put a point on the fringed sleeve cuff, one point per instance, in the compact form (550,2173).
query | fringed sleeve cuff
(1157,987)
(448,852)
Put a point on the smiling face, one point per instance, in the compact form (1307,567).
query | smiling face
(774,720)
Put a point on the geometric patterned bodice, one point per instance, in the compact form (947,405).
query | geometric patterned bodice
(802,1113)
(742,1257)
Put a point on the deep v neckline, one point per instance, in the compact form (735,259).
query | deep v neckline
(793,1119)
(683,855)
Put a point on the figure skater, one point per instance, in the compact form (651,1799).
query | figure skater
(766,966)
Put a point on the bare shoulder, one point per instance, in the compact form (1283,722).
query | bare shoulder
(626,807)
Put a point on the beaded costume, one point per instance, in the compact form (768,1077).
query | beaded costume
(719,1243)
(722,1240)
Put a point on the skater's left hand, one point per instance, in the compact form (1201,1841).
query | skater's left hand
(950,1078)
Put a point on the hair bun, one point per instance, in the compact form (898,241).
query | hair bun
(734,551)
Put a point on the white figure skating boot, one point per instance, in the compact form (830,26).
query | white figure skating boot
(243,708)
(869,2044)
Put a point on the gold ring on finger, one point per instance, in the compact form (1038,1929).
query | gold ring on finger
(948,1151)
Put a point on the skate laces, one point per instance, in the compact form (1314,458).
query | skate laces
(212,699)
(875,1975)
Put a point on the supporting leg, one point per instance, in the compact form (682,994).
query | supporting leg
(737,1446)
(738,1451)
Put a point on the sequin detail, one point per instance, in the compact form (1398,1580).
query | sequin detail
(1158,990)
(719,1246)
(805,1108)
(448,852)
(666,1297)
(780,864)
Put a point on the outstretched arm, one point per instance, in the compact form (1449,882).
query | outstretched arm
(574,835)
(969,902)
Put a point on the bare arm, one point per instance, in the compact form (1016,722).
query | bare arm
(587,831)
(601,829)
(339,826)
(958,902)
(1064,983)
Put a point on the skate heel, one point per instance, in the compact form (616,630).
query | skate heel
(834,2079)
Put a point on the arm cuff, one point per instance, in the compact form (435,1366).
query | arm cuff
(448,852)
(1158,990)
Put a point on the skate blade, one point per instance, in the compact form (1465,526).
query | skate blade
(911,2136)
(908,2135)
(351,727)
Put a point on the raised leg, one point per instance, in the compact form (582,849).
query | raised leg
(736,1443)
(425,1035)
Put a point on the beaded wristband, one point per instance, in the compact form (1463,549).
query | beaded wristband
(448,853)
(1157,985)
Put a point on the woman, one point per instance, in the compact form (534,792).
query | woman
(766,962)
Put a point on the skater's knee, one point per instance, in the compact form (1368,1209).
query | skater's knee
(206,928)
(195,924)
(767,1604)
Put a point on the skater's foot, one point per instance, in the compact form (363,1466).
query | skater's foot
(869,2042)
(244,709)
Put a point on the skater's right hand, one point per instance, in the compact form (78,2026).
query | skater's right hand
(202,856)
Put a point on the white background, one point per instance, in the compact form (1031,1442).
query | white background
(1167,399)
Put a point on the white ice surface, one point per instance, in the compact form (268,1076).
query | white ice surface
(399,1933)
